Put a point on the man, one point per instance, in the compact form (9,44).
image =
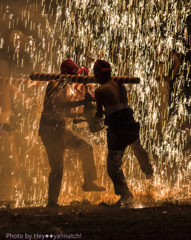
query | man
(56,137)
(122,129)
(165,87)
(10,96)
(9,161)
(162,100)
(178,81)
(186,91)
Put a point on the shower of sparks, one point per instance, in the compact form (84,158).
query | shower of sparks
(134,36)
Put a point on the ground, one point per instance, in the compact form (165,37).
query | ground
(85,221)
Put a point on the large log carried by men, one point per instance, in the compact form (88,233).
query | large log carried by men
(80,79)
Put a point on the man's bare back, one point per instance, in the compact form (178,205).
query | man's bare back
(111,96)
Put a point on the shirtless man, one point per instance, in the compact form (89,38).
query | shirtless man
(122,129)
(186,126)
(165,87)
(9,162)
(56,137)
(169,86)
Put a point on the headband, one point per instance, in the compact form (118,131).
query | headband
(100,69)
(68,67)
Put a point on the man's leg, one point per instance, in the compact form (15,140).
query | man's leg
(85,151)
(142,157)
(55,154)
(114,162)
(88,164)
(164,96)
(161,99)
(186,126)
(9,163)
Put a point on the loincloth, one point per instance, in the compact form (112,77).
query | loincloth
(122,129)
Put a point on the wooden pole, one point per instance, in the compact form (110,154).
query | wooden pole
(80,79)
(72,79)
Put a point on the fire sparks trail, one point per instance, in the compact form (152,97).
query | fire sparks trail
(136,37)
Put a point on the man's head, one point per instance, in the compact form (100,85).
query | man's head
(17,40)
(68,67)
(102,71)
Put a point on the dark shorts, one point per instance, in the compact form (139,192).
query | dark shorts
(122,129)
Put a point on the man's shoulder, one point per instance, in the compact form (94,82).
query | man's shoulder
(52,82)
(106,85)
(51,87)
(101,89)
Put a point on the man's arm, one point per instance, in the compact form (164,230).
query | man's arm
(17,94)
(175,69)
(71,104)
(73,114)
(31,104)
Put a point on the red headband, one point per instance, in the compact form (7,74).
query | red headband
(69,67)
(99,69)
(83,69)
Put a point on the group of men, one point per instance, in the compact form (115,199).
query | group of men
(122,129)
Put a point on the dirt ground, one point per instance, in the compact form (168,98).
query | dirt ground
(86,221)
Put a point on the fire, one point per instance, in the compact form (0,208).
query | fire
(130,37)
